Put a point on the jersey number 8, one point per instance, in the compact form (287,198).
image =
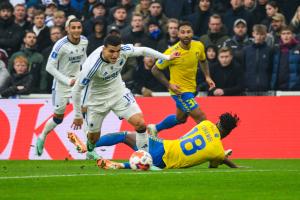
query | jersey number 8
(195,147)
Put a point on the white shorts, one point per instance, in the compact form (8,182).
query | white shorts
(60,100)
(125,108)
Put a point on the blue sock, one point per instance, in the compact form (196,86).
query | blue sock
(168,122)
(127,166)
(111,139)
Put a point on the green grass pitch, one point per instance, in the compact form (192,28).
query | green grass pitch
(81,179)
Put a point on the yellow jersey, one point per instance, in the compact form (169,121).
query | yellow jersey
(201,144)
(183,70)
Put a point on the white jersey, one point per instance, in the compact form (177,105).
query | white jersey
(103,79)
(65,61)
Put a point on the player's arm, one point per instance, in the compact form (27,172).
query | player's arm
(226,161)
(130,50)
(81,82)
(159,75)
(205,69)
(52,67)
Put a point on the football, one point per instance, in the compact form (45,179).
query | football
(140,160)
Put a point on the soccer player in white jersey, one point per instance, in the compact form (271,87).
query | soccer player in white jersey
(64,63)
(105,90)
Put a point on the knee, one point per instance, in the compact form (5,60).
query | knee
(57,120)
(181,120)
(139,124)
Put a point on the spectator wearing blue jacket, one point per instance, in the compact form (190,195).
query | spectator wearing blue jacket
(286,68)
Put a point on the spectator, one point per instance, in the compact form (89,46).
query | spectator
(59,19)
(135,33)
(145,82)
(211,53)
(56,33)
(30,14)
(177,8)
(96,38)
(237,11)
(120,15)
(258,62)
(51,7)
(34,59)
(98,10)
(271,9)
(10,33)
(65,5)
(87,9)
(227,74)
(286,67)
(220,6)
(171,37)
(200,18)
(260,11)
(143,8)
(41,30)
(278,22)
(20,17)
(288,8)
(239,40)
(154,34)
(4,74)
(128,5)
(216,34)
(295,22)
(21,79)
(157,14)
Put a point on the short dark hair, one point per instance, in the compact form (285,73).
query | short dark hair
(185,23)
(6,6)
(228,121)
(74,20)
(112,40)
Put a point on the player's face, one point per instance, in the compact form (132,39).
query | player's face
(185,34)
(75,30)
(111,53)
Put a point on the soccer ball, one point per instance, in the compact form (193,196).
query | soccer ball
(140,160)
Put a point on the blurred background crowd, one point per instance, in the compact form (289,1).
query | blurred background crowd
(252,45)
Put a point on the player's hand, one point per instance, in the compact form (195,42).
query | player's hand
(146,92)
(72,82)
(77,123)
(218,92)
(174,55)
(175,88)
(210,82)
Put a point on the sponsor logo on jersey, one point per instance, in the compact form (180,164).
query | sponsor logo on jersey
(75,59)
(112,76)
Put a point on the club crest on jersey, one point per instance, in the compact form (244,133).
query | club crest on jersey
(160,61)
(54,55)
(85,81)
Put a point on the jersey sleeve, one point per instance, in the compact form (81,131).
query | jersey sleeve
(53,64)
(163,64)
(132,51)
(89,68)
(202,56)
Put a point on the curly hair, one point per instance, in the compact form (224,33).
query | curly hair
(229,121)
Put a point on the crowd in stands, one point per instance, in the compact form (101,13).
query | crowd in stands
(251,45)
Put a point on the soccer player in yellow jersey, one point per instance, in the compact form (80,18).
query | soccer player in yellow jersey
(201,144)
(182,84)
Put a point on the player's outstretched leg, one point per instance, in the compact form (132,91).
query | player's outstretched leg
(50,125)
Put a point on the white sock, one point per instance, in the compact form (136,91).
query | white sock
(50,125)
(142,141)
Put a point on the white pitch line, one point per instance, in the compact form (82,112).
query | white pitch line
(146,173)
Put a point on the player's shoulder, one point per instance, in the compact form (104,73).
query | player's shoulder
(206,123)
(60,43)
(126,47)
(174,47)
(197,44)
(83,39)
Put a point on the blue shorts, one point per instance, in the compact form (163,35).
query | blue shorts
(185,101)
(156,149)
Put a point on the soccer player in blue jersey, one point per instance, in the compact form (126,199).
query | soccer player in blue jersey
(182,84)
(201,144)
